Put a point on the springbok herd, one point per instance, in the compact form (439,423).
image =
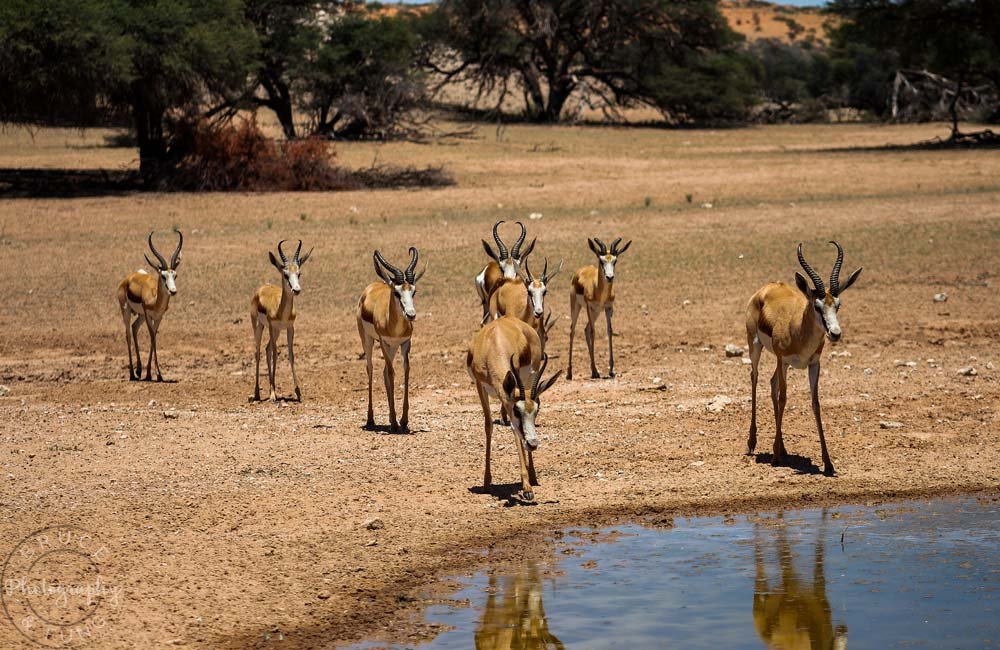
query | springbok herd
(506,357)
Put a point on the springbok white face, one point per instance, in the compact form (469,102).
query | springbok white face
(522,420)
(290,269)
(538,287)
(825,302)
(402,282)
(509,261)
(607,257)
(167,271)
(525,406)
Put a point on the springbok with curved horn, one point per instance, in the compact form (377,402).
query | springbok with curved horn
(525,299)
(273,307)
(148,297)
(386,314)
(594,287)
(504,265)
(793,324)
(503,357)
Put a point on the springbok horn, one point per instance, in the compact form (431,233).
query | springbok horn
(614,246)
(397,275)
(177,253)
(813,275)
(604,247)
(414,256)
(517,378)
(281,253)
(516,252)
(835,275)
(163,262)
(298,249)
(526,271)
(538,376)
(496,237)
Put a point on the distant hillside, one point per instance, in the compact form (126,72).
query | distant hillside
(757,20)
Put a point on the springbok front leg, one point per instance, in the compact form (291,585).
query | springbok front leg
(589,333)
(779,394)
(755,350)
(389,375)
(258,334)
(403,423)
(152,347)
(574,310)
(522,456)
(156,352)
(484,399)
(814,389)
(608,312)
(290,334)
(272,362)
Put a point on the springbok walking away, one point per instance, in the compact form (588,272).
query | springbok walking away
(386,314)
(505,356)
(148,297)
(505,265)
(525,299)
(793,324)
(273,307)
(594,287)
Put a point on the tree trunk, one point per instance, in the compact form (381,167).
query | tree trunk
(279,100)
(558,94)
(953,108)
(149,132)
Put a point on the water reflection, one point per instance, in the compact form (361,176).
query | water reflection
(514,617)
(791,612)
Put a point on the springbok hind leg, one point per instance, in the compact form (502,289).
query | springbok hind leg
(484,400)
(290,334)
(755,350)
(778,398)
(128,341)
(136,324)
(574,313)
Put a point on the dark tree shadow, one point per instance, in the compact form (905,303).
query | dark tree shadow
(801,464)
(509,493)
(67,183)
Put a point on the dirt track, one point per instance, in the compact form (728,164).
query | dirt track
(230,523)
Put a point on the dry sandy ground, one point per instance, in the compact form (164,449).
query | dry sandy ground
(230,524)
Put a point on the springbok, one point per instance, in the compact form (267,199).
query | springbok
(503,357)
(148,298)
(273,307)
(386,314)
(504,265)
(525,299)
(793,324)
(594,287)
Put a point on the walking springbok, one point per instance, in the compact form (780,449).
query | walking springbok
(594,287)
(386,314)
(503,357)
(792,324)
(148,297)
(273,307)
(504,264)
(525,299)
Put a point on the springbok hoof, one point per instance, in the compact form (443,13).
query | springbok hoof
(529,496)
(298,394)
(594,374)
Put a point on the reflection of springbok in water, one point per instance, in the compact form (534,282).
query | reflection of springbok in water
(514,618)
(793,614)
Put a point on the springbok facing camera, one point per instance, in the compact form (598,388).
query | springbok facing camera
(594,287)
(503,357)
(273,307)
(793,324)
(505,265)
(386,314)
(148,297)
(525,299)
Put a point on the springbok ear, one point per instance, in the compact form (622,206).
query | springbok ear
(510,385)
(547,384)
(850,280)
(305,258)
(274,260)
(527,251)
(381,273)
(489,251)
(803,285)
(593,247)
(624,248)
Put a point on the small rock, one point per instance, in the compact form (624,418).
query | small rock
(889,424)
(869,371)
(152,402)
(323,595)
(697,463)
(4,390)
(746,361)
(374,524)
(685,303)
(170,415)
(940,297)
(733,350)
(905,364)
(989,365)
(718,403)
(535,216)
(968,371)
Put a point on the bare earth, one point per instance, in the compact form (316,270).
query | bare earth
(231,524)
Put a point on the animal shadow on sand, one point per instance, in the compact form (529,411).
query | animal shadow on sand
(509,493)
(801,464)
(385,429)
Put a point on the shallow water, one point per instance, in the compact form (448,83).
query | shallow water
(911,575)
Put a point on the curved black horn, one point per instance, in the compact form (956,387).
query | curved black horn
(414,256)
(163,262)
(496,237)
(835,275)
(298,249)
(604,247)
(281,253)
(177,252)
(538,376)
(516,251)
(397,275)
(517,378)
(614,246)
(813,275)
(527,271)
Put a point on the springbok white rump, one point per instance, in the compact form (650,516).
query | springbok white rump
(594,287)
(794,325)
(148,297)
(386,314)
(273,307)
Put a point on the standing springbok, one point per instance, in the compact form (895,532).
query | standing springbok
(594,287)
(504,265)
(386,314)
(525,299)
(793,324)
(504,356)
(273,307)
(148,298)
